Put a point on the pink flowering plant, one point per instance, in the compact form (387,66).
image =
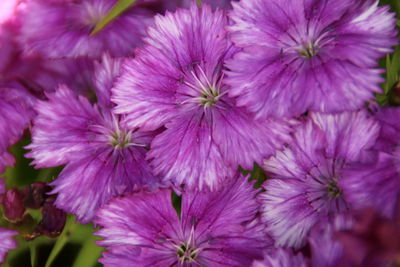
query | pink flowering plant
(259,133)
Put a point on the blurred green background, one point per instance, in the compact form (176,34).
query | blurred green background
(76,246)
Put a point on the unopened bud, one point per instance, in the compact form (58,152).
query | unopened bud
(14,208)
(53,219)
(36,195)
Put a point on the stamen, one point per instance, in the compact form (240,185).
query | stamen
(333,189)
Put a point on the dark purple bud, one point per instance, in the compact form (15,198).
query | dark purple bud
(13,203)
(36,195)
(53,219)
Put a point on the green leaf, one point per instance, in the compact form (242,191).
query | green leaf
(198,3)
(89,253)
(117,10)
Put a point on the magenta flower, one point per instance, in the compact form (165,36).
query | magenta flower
(16,112)
(326,250)
(214,229)
(181,68)
(318,55)
(389,137)
(305,188)
(102,157)
(60,29)
(377,184)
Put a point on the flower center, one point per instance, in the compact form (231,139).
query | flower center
(207,87)
(209,97)
(309,50)
(186,253)
(333,189)
(120,140)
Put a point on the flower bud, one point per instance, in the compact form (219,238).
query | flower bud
(53,219)
(14,208)
(36,195)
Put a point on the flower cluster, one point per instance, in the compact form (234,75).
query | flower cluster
(156,116)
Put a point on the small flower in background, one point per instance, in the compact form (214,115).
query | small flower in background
(59,29)
(103,158)
(318,55)
(305,185)
(177,81)
(214,228)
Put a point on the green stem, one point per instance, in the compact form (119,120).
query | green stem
(89,253)
(117,10)
(32,248)
(61,240)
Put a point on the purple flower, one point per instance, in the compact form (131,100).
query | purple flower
(282,258)
(217,228)
(16,112)
(374,185)
(389,137)
(60,29)
(103,158)
(306,175)
(6,242)
(377,184)
(318,55)
(181,69)
(326,250)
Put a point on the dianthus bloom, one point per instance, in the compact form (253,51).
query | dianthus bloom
(326,250)
(103,158)
(176,81)
(217,228)
(298,55)
(304,188)
(16,106)
(378,185)
(62,28)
